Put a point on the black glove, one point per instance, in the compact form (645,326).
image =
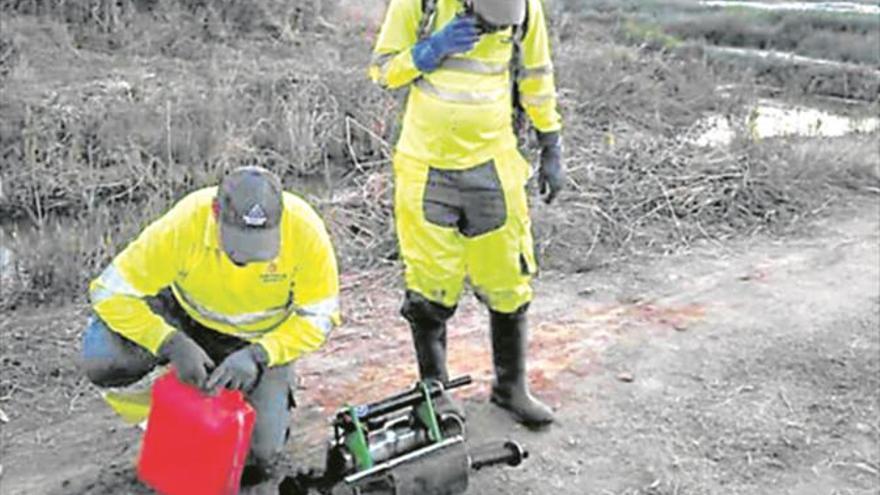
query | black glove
(551,175)
(240,370)
(191,361)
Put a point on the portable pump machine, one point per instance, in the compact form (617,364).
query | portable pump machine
(402,445)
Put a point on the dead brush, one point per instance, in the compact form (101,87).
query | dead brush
(62,159)
(56,262)
(104,15)
(134,151)
(113,15)
(111,155)
(640,187)
(633,91)
(666,194)
(361,222)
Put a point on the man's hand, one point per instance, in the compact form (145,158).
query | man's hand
(551,174)
(191,361)
(459,36)
(240,370)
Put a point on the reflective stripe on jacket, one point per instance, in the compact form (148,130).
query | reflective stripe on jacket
(460,115)
(288,305)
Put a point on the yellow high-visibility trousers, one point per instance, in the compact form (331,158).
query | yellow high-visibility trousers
(458,224)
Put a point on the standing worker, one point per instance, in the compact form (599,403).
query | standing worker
(230,286)
(460,199)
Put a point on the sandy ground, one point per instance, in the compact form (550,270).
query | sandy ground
(750,367)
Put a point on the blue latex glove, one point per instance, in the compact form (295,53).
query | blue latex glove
(459,36)
(551,175)
(240,370)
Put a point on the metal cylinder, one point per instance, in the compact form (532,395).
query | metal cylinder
(438,469)
(397,437)
(396,440)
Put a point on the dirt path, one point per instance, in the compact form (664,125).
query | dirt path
(754,368)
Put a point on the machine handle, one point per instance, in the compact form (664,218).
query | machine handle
(460,381)
(405,399)
(508,452)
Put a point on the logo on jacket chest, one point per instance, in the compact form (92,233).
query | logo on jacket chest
(272,275)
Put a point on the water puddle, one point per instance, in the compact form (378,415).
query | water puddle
(8,271)
(771,119)
(834,7)
(6,259)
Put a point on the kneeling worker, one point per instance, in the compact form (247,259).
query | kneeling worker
(230,286)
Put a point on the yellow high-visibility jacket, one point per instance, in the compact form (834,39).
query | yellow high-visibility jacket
(288,305)
(460,114)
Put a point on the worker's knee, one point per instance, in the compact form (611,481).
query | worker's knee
(419,310)
(272,401)
(515,314)
(97,373)
(515,299)
(109,359)
(264,458)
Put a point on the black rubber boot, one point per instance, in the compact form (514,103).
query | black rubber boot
(510,390)
(427,321)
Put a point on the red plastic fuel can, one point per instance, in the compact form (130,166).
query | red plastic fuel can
(195,444)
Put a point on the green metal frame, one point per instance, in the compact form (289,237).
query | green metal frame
(427,414)
(356,441)
(355,437)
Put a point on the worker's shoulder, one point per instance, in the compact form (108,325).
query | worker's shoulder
(189,214)
(535,10)
(198,200)
(414,6)
(412,3)
(300,212)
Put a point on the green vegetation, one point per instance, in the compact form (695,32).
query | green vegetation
(842,37)
(649,35)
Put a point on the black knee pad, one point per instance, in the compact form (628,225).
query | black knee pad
(418,310)
(99,376)
(103,376)
(262,465)
(256,473)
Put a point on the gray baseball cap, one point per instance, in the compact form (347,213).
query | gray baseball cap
(250,201)
(501,12)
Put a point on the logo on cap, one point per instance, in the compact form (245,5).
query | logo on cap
(255,217)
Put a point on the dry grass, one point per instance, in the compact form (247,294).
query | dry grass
(96,141)
(666,195)
(112,20)
(640,187)
(851,40)
(835,37)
